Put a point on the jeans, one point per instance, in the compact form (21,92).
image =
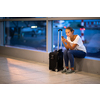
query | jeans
(70,54)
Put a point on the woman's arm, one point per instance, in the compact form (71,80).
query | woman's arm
(71,47)
(68,46)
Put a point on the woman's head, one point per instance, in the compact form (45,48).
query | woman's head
(69,31)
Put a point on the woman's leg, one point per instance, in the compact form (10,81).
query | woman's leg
(66,59)
(75,53)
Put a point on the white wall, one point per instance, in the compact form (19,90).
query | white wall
(38,56)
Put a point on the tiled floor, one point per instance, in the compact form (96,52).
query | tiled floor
(19,71)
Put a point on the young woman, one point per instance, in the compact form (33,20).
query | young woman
(74,48)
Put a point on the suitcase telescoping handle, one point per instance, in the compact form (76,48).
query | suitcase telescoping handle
(58,38)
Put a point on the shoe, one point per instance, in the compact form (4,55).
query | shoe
(64,70)
(70,71)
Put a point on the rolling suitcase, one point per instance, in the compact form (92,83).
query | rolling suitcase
(56,57)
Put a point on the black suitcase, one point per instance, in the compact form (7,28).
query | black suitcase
(56,58)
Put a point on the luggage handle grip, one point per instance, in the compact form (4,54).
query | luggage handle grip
(60,30)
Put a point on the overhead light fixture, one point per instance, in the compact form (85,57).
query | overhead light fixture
(33,26)
(61,21)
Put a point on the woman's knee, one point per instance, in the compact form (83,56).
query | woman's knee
(65,52)
(70,52)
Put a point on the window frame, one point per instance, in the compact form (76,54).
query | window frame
(48,20)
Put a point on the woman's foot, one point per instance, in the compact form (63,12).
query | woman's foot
(70,71)
(64,70)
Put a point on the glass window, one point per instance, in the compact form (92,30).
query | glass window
(88,30)
(25,34)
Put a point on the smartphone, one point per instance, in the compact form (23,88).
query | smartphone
(62,36)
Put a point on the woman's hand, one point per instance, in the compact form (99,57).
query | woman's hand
(64,40)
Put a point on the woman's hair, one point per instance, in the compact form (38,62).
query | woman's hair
(70,29)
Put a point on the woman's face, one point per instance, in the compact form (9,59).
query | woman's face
(68,32)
